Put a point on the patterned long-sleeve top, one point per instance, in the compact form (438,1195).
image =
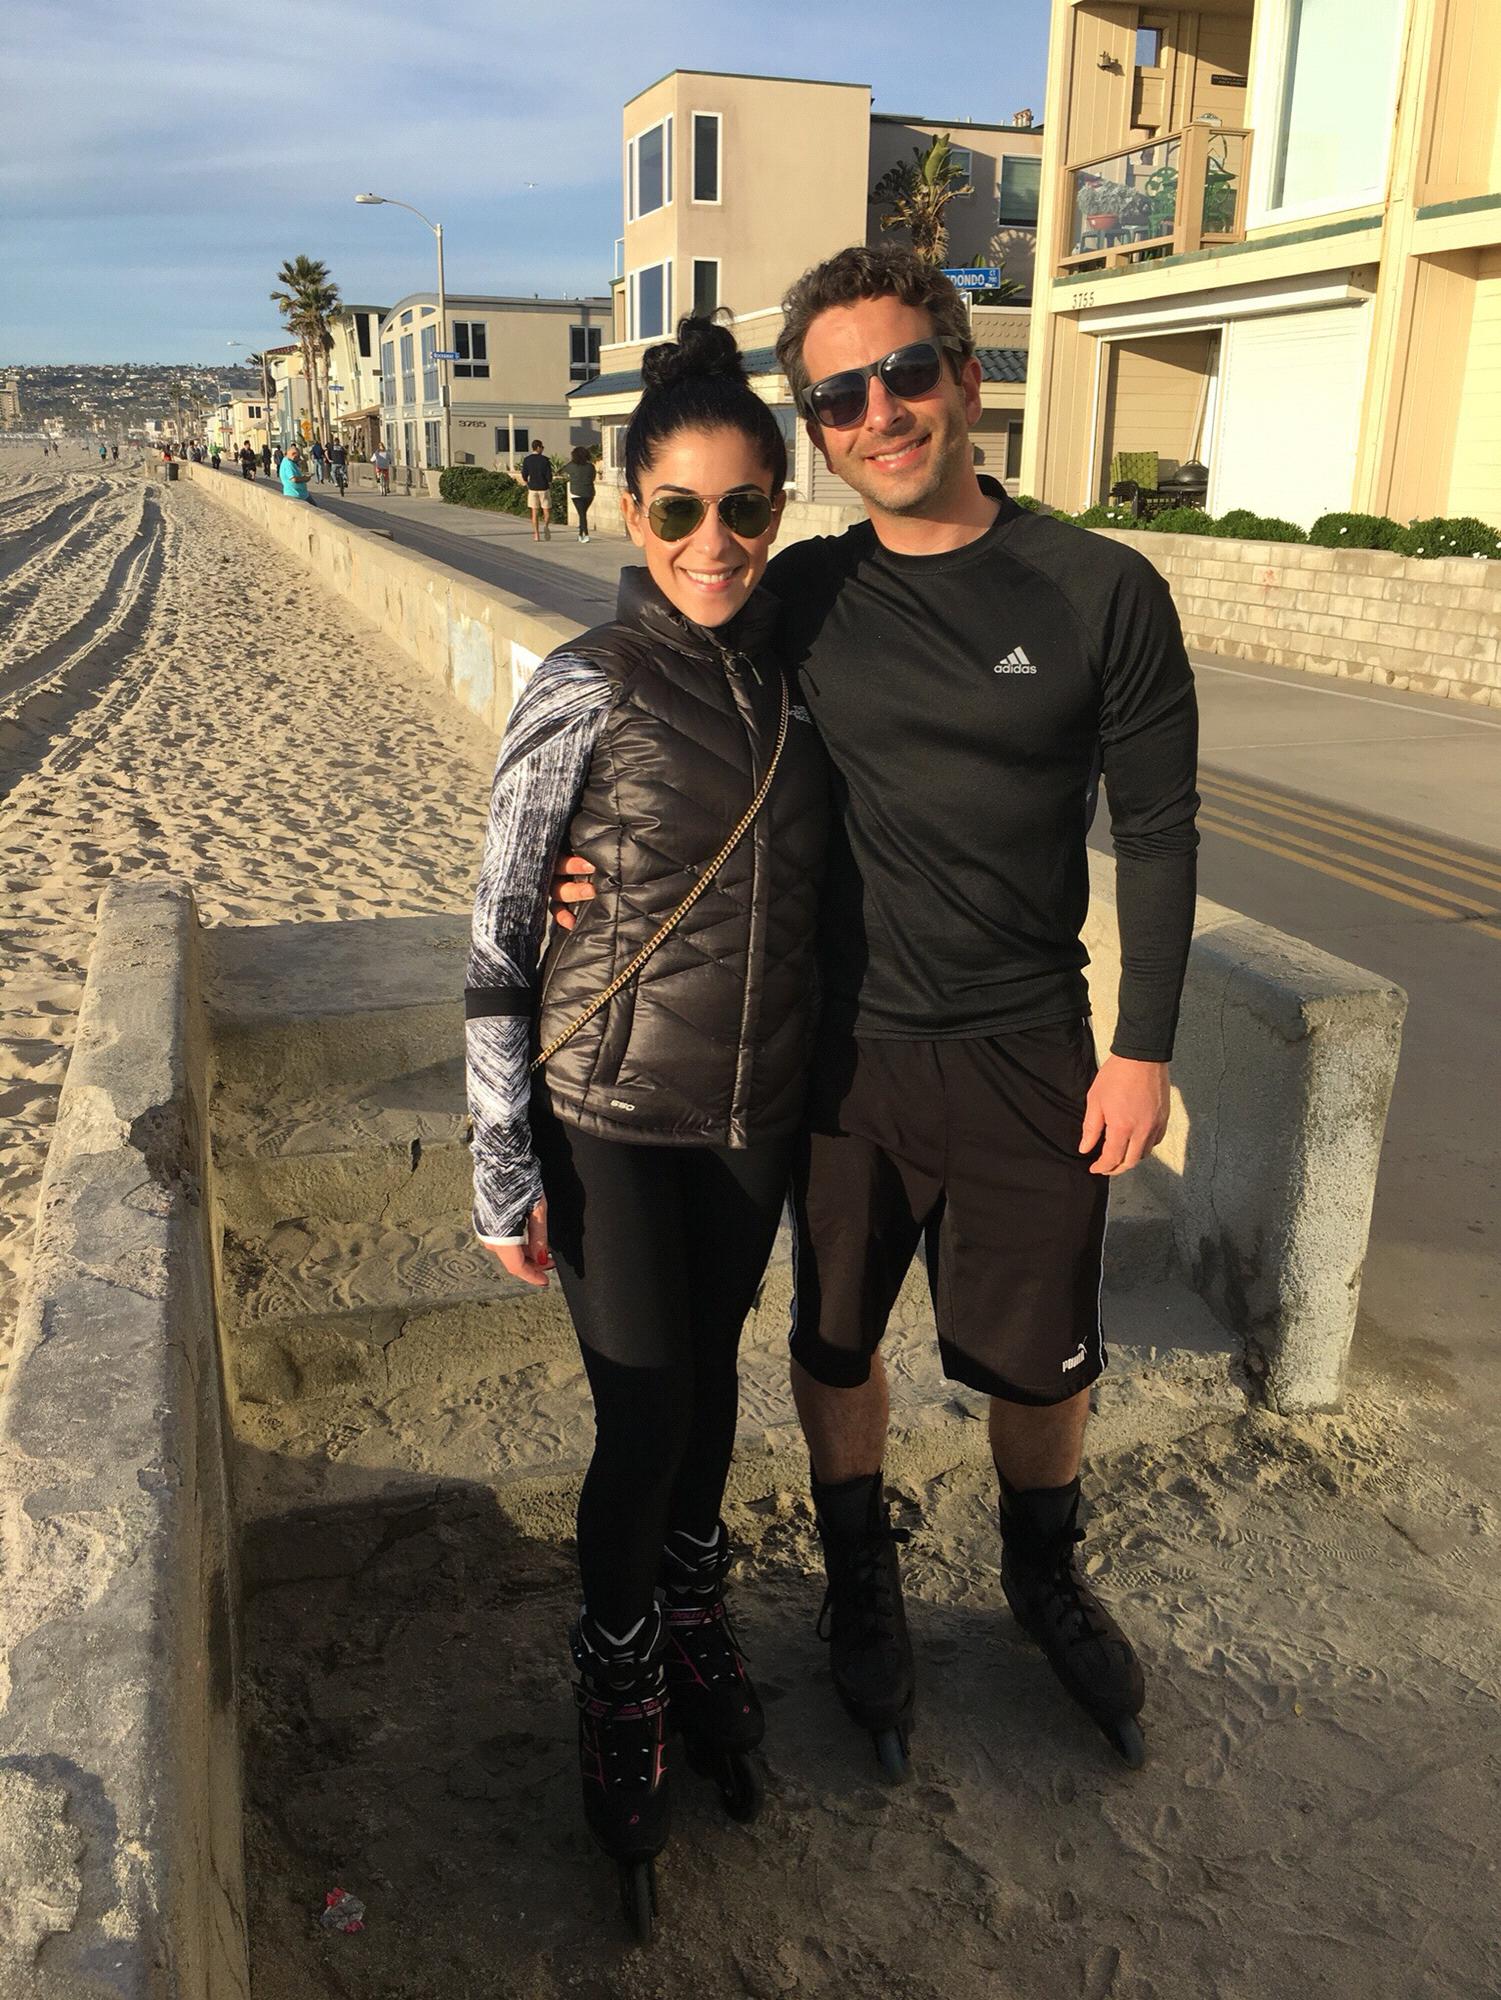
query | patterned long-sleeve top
(539,776)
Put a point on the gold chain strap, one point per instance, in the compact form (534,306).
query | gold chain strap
(665,930)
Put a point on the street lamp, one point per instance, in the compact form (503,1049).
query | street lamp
(389,201)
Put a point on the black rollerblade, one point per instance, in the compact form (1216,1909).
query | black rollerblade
(713,1702)
(863,1618)
(1053,1604)
(622,1707)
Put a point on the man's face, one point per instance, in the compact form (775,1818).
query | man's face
(905,456)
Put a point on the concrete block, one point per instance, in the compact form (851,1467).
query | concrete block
(119,1751)
(1281,1081)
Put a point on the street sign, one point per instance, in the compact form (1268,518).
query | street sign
(445,354)
(974,277)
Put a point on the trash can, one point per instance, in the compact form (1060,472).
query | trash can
(171,468)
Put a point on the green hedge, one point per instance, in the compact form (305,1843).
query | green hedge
(1435,538)
(474,486)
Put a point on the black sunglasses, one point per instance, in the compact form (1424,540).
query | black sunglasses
(839,400)
(675,516)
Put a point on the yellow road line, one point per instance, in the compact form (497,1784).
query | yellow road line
(1451,897)
(1467,867)
(1212,822)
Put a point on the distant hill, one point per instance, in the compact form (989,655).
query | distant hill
(122,394)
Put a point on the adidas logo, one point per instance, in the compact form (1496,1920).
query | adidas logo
(1015,662)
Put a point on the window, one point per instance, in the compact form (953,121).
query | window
(362,334)
(1021,180)
(650,301)
(705,284)
(1014,450)
(706,156)
(649,170)
(1149,48)
(1338,78)
(503,440)
(583,353)
(254,412)
(469,339)
(963,159)
(406,318)
(408,378)
(432,444)
(429,364)
(388,372)
(409,444)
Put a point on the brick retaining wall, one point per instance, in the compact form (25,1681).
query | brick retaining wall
(1399,621)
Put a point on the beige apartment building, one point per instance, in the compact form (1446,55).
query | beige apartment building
(734,185)
(517,359)
(354,375)
(240,416)
(1270,243)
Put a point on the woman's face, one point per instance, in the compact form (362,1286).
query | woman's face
(709,574)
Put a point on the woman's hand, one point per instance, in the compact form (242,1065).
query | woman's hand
(572,882)
(532,1260)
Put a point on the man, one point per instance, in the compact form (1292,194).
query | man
(380,465)
(338,463)
(266,458)
(972,669)
(536,473)
(318,457)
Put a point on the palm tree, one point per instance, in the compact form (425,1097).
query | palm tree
(918,192)
(307,298)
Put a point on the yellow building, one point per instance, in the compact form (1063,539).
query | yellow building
(1270,242)
(734,185)
(517,359)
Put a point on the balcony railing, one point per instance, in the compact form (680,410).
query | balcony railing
(1183,191)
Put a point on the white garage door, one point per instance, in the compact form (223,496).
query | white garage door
(1289,413)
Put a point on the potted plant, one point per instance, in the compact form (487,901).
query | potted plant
(1106,205)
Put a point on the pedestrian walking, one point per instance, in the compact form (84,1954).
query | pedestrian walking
(338,465)
(114,452)
(319,457)
(380,464)
(536,475)
(266,459)
(644,1152)
(247,460)
(973,669)
(213,458)
(579,472)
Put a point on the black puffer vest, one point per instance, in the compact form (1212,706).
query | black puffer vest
(708,1044)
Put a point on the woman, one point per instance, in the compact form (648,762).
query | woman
(579,472)
(650,1157)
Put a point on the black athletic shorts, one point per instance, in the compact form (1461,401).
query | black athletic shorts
(971,1148)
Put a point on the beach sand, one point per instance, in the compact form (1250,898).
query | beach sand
(1317,1603)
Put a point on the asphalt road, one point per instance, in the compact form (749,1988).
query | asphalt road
(1366,821)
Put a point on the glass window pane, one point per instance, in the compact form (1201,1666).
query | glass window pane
(477,340)
(1335,127)
(1021,180)
(650,171)
(705,284)
(1014,451)
(651,306)
(705,157)
(461,339)
(1148,48)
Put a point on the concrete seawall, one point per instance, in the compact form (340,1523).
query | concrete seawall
(120,1814)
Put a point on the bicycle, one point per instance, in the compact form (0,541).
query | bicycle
(341,479)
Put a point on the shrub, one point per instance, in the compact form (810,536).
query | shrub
(1029,503)
(1457,535)
(1356,531)
(1180,521)
(1241,523)
(476,486)
(1102,515)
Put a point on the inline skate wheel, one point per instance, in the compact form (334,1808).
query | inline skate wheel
(891,1750)
(740,1786)
(638,1897)
(1125,1737)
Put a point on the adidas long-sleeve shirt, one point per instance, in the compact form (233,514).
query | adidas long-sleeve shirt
(970,703)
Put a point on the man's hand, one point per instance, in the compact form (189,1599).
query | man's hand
(532,1260)
(572,882)
(1127,1107)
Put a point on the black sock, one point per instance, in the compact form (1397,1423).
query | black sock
(847,1505)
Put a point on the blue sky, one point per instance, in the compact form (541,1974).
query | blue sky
(159,158)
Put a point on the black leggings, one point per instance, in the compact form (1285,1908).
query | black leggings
(581,508)
(660,1250)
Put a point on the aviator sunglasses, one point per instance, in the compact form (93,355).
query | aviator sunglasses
(839,401)
(675,516)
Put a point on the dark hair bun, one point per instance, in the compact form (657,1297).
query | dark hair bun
(703,348)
